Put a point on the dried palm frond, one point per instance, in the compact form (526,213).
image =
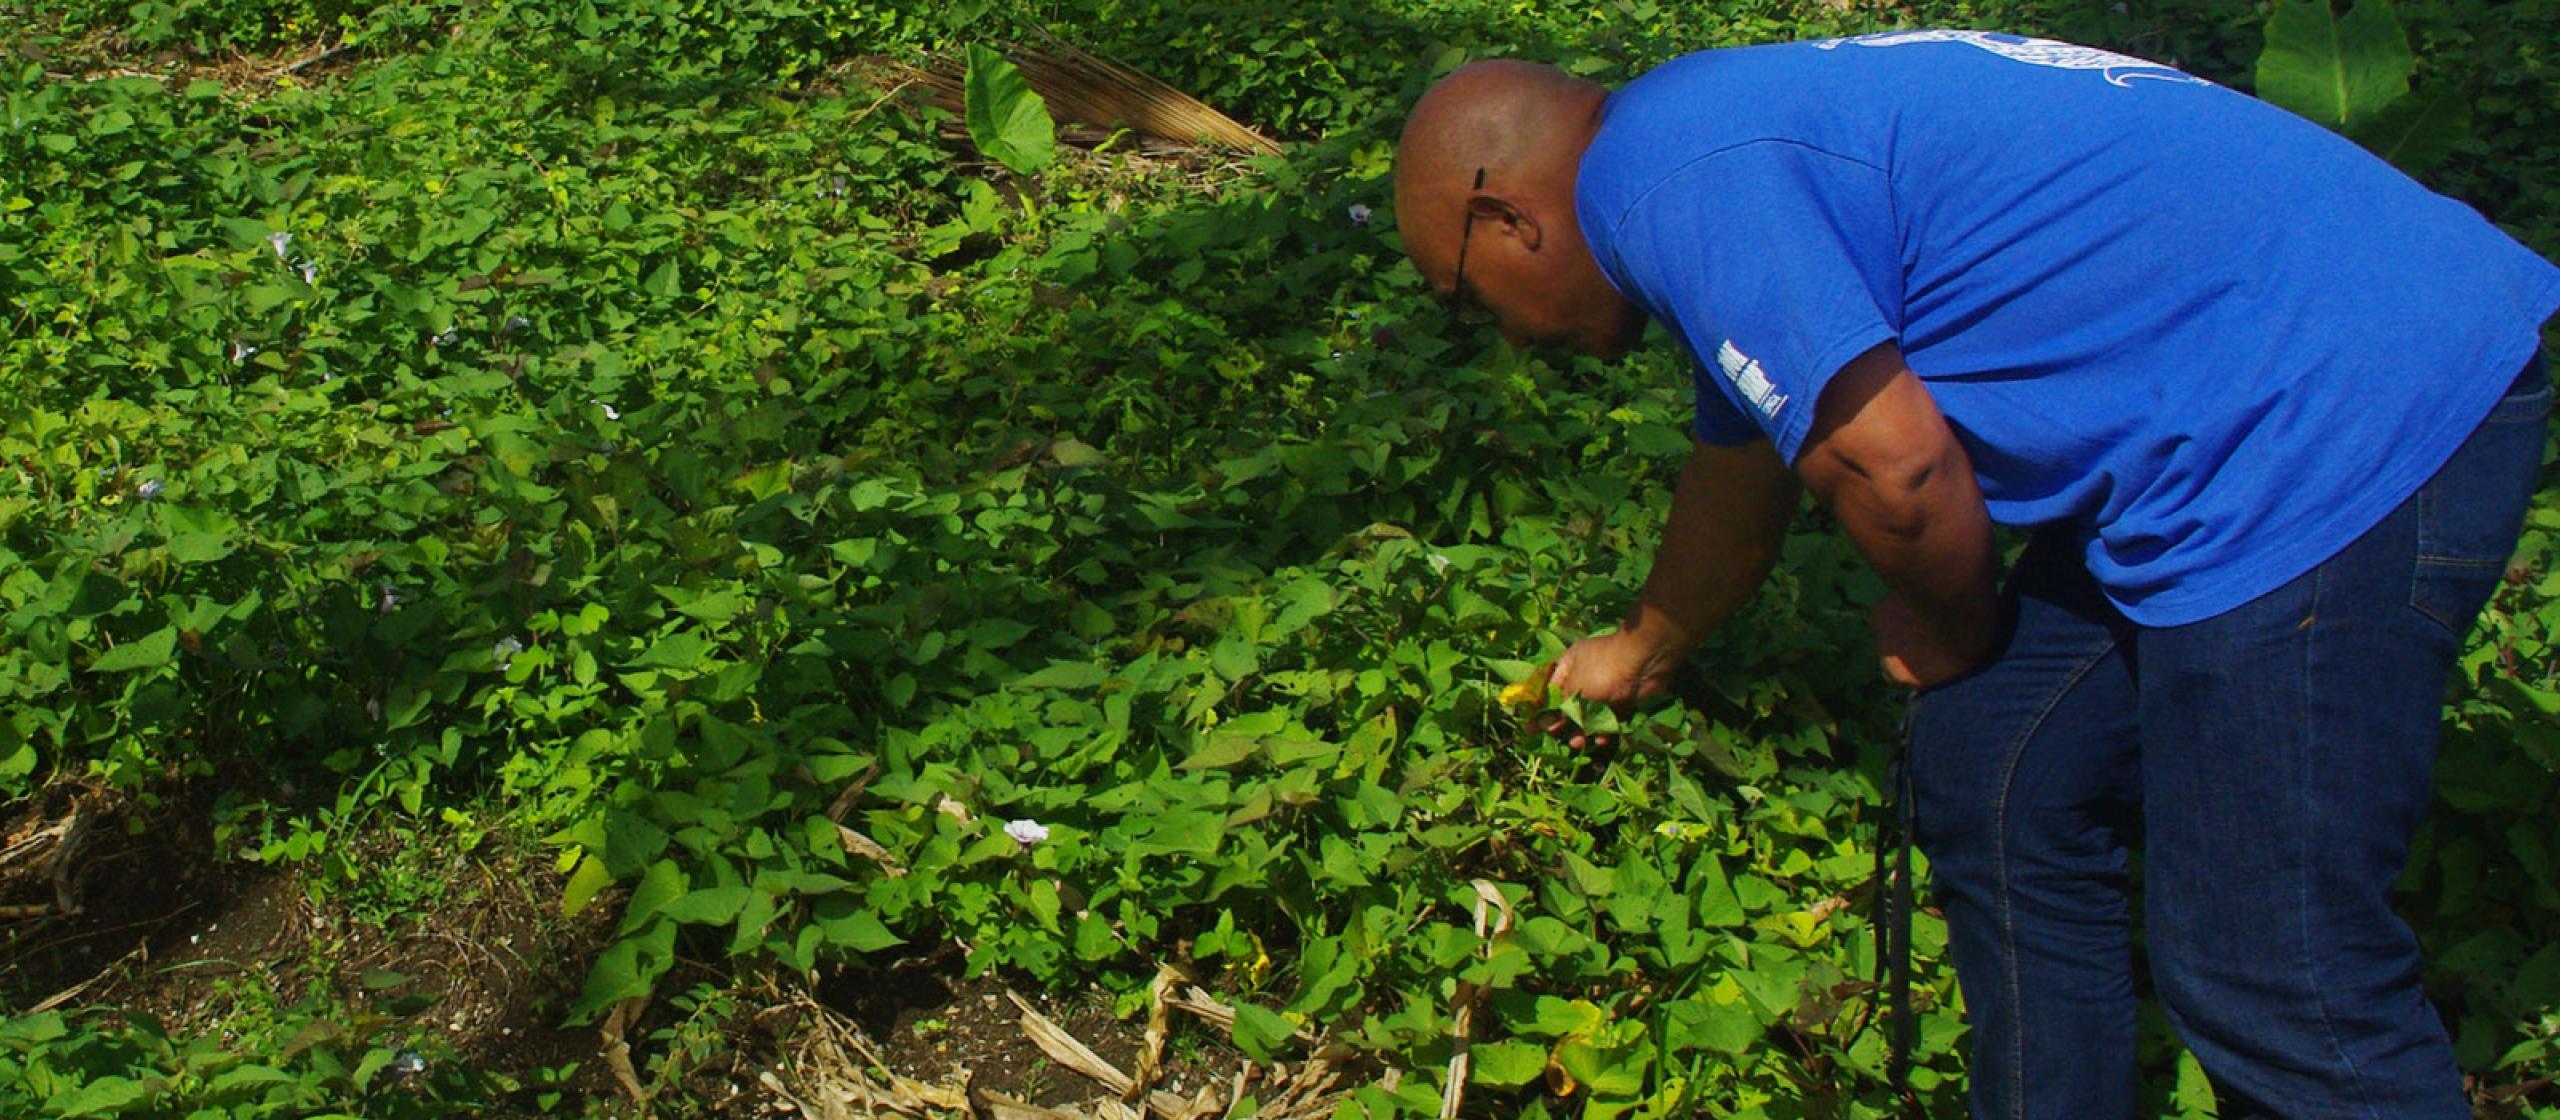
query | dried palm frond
(1092,98)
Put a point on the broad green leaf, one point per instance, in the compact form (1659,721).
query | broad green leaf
(200,548)
(716,608)
(755,914)
(375,1061)
(1094,940)
(1558,1017)
(1185,831)
(663,883)
(1007,121)
(2420,131)
(584,883)
(1221,751)
(664,281)
(708,905)
(628,968)
(1507,1063)
(1066,674)
(684,649)
(1072,452)
(17,762)
(149,652)
(860,931)
(1342,863)
(1703,1024)
(1614,1070)
(2337,70)
(100,1097)
(856,552)
(1260,1031)
(1042,899)
(2194,1094)
(244,1076)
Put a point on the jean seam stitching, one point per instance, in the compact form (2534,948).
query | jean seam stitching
(2302,901)
(2441,561)
(2000,854)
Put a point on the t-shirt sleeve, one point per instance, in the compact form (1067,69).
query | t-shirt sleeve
(1775,264)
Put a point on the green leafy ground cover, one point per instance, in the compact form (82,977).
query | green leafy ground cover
(616,430)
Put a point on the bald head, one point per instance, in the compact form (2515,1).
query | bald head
(1503,115)
(1484,201)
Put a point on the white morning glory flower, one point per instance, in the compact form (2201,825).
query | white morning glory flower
(444,338)
(310,272)
(277,241)
(390,598)
(1027,832)
(149,490)
(610,412)
(1360,213)
(506,650)
(241,352)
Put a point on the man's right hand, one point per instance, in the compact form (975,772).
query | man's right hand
(1728,518)
(1623,669)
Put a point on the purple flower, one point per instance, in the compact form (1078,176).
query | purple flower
(1360,213)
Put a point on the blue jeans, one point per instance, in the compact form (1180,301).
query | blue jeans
(2271,764)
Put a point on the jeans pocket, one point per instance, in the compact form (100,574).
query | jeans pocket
(2469,515)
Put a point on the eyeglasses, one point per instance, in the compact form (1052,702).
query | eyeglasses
(1459,306)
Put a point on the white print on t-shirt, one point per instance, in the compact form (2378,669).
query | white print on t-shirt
(1745,373)
(2120,69)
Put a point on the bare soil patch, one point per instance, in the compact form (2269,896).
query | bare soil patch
(144,916)
(932,1022)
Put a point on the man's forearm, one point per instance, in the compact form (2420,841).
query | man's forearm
(1928,535)
(1885,462)
(1729,516)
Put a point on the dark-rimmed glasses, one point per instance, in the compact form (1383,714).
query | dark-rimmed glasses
(1459,306)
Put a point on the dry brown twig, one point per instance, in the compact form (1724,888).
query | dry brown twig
(842,806)
(1463,1019)
(310,61)
(1159,1024)
(855,843)
(617,1047)
(1198,1001)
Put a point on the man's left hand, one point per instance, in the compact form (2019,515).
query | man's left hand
(1917,654)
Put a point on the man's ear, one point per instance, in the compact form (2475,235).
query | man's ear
(1509,217)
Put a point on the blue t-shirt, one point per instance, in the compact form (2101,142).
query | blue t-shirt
(2219,338)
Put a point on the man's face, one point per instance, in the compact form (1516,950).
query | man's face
(1541,310)
(1538,286)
